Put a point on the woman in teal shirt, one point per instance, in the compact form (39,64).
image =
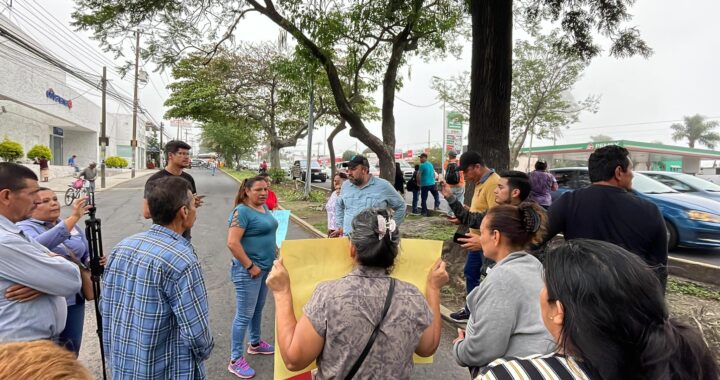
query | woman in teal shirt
(251,239)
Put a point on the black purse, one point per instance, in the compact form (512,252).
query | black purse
(368,346)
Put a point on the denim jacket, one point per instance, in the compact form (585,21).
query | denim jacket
(377,193)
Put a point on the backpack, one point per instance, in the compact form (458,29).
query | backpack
(452,174)
(412,183)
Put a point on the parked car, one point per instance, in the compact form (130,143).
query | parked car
(686,183)
(316,172)
(339,168)
(285,166)
(690,220)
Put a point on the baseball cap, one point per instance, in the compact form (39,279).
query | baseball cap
(357,159)
(470,158)
(452,153)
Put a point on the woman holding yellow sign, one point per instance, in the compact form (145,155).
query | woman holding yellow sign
(366,309)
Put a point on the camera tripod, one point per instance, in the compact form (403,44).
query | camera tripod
(94,238)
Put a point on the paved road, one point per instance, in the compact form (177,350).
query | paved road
(709,256)
(120,211)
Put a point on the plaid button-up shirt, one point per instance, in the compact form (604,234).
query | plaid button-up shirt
(154,308)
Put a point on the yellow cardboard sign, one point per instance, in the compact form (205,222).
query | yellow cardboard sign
(312,261)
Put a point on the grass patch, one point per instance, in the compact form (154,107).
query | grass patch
(287,193)
(692,289)
(440,232)
(239,174)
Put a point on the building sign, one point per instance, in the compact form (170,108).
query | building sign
(454,132)
(57,131)
(409,153)
(50,94)
(598,145)
(398,155)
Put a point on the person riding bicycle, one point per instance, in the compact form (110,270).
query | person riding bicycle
(89,174)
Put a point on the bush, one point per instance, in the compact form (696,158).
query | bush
(10,150)
(277,175)
(40,150)
(116,162)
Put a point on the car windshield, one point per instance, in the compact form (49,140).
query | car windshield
(313,164)
(646,185)
(699,183)
(404,164)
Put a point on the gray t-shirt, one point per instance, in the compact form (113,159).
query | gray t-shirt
(345,312)
(89,174)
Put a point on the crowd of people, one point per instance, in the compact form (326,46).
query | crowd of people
(592,307)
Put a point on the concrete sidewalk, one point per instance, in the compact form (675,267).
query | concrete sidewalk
(60,184)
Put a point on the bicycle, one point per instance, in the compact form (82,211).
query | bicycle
(76,190)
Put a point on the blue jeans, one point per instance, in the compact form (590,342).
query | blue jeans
(416,195)
(473,265)
(424,195)
(459,193)
(213,170)
(250,299)
(71,336)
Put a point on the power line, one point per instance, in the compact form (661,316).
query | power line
(415,105)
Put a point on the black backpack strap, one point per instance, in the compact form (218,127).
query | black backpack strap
(370,342)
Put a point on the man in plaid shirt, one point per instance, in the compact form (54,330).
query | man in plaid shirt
(154,303)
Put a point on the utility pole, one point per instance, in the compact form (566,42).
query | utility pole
(308,172)
(103,122)
(160,157)
(133,142)
(318,149)
(444,140)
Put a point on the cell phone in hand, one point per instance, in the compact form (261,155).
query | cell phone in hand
(459,236)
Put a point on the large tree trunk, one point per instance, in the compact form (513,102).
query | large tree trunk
(275,155)
(491,78)
(331,148)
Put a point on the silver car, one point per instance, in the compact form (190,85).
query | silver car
(686,183)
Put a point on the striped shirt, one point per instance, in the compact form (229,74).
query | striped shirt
(536,367)
(154,308)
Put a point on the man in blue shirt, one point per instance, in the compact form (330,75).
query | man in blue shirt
(33,281)
(426,179)
(154,303)
(362,190)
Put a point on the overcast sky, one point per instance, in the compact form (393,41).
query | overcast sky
(640,97)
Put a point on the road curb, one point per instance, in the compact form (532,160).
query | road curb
(444,311)
(694,270)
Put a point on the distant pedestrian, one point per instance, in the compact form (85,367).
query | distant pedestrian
(44,169)
(542,184)
(72,161)
(607,210)
(414,188)
(399,179)
(251,239)
(90,174)
(426,179)
(337,323)
(272,201)
(363,190)
(212,164)
(154,305)
(177,159)
(332,202)
(263,167)
(455,178)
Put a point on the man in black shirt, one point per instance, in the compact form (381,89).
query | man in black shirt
(608,210)
(178,158)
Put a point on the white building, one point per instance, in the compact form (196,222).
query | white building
(39,105)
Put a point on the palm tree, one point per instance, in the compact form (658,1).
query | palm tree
(696,129)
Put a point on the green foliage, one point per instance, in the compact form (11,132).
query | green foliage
(277,175)
(38,151)
(10,150)
(600,138)
(232,138)
(540,104)
(689,288)
(240,174)
(116,162)
(348,154)
(695,129)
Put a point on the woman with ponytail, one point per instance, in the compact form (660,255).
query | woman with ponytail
(251,240)
(504,313)
(606,310)
(365,309)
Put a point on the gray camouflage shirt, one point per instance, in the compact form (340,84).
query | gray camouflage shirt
(345,312)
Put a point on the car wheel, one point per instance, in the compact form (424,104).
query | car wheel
(303,178)
(323,180)
(672,235)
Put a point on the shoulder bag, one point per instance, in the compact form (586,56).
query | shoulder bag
(368,346)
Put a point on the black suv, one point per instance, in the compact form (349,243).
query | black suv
(316,172)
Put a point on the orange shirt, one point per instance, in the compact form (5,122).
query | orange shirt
(462,175)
